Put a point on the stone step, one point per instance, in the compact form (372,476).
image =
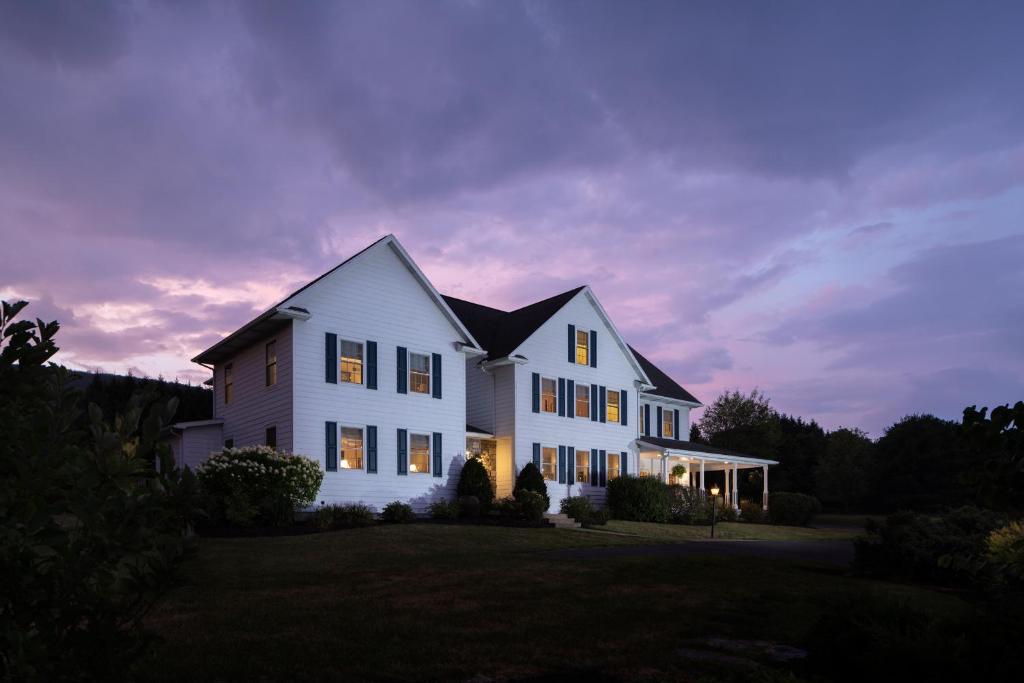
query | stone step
(562,521)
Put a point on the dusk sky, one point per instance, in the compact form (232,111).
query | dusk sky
(823,200)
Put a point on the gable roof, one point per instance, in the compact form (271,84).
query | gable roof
(664,385)
(279,315)
(502,332)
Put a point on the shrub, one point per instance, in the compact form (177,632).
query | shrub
(1005,548)
(948,548)
(444,509)
(397,512)
(469,506)
(792,509)
(258,485)
(507,508)
(531,479)
(532,505)
(474,481)
(641,499)
(688,505)
(598,517)
(751,512)
(727,513)
(342,516)
(577,507)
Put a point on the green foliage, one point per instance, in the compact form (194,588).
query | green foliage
(918,465)
(948,547)
(507,508)
(531,479)
(474,481)
(841,476)
(688,505)
(444,509)
(995,449)
(1005,548)
(469,506)
(751,512)
(734,410)
(112,393)
(793,509)
(532,505)
(398,512)
(92,521)
(577,507)
(640,499)
(348,516)
(258,485)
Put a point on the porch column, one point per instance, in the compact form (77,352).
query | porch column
(735,486)
(702,476)
(664,467)
(764,495)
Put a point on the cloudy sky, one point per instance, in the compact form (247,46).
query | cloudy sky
(823,200)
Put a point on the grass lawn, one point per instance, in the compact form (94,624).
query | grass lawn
(439,602)
(671,533)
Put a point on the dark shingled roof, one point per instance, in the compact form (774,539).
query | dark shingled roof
(502,332)
(666,386)
(693,446)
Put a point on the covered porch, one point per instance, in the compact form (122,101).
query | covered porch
(690,464)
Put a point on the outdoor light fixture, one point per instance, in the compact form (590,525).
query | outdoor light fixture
(714,507)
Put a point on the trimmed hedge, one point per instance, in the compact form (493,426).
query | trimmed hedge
(640,499)
(792,509)
(397,512)
(474,481)
(531,479)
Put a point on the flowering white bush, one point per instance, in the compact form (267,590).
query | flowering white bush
(259,483)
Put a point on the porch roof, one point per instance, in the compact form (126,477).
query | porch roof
(699,451)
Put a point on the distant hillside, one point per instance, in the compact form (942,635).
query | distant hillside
(111,393)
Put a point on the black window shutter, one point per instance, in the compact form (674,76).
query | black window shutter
(403,454)
(536,455)
(536,392)
(602,471)
(623,470)
(647,419)
(438,460)
(594,469)
(593,348)
(561,397)
(570,398)
(371,365)
(572,343)
(561,464)
(435,359)
(570,465)
(603,404)
(331,357)
(331,461)
(403,370)
(675,425)
(593,403)
(623,407)
(371,449)
(659,422)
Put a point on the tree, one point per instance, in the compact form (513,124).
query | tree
(841,476)
(734,410)
(918,466)
(695,435)
(531,479)
(994,451)
(474,481)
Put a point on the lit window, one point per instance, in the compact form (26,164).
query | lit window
(582,400)
(582,467)
(271,437)
(614,467)
(351,362)
(582,347)
(229,382)
(351,448)
(271,363)
(548,399)
(667,423)
(613,406)
(419,373)
(549,463)
(419,453)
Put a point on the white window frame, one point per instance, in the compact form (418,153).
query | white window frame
(267,365)
(430,372)
(608,404)
(576,466)
(362,447)
(554,395)
(554,460)
(608,467)
(430,454)
(575,400)
(576,347)
(668,414)
(362,362)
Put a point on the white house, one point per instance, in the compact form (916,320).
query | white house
(392,386)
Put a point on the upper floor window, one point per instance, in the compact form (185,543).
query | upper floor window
(582,467)
(351,362)
(271,437)
(582,400)
(419,373)
(229,382)
(419,453)
(549,463)
(351,448)
(271,363)
(582,347)
(548,397)
(613,406)
(668,423)
(614,465)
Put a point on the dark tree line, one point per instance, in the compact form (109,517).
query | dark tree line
(112,394)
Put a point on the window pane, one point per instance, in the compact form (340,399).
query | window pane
(549,463)
(582,347)
(548,400)
(582,467)
(351,362)
(613,406)
(351,448)
(582,401)
(419,373)
(667,422)
(419,453)
(613,466)
(271,364)
(229,383)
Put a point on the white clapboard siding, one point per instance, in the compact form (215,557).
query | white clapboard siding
(197,443)
(479,395)
(374,297)
(255,406)
(666,404)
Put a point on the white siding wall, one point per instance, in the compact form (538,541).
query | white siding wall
(375,297)
(666,404)
(547,351)
(255,406)
(479,395)
(198,442)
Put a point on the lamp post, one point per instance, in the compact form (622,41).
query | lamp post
(714,507)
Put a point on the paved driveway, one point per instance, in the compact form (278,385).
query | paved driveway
(831,552)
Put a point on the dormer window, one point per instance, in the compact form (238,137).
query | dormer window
(582,347)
